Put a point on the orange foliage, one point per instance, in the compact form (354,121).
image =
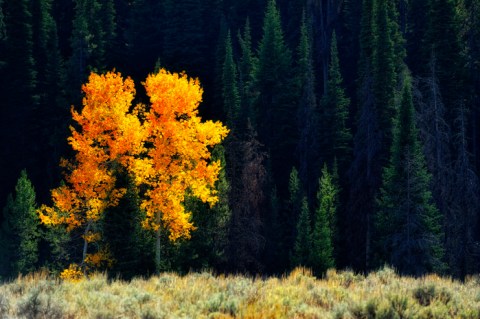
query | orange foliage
(165,147)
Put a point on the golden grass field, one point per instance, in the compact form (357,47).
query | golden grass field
(382,294)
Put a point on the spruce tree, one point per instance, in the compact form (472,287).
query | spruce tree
(20,230)
(247,66)
(322,253)
(365,171)
(335,105)
(303,240)
(307,113)
(443,41)
(276,98)
(408,225)
(231,99)
(293,206)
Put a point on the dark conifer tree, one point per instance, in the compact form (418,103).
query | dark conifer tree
(129,244)
(307,114)
(443,41)
(231,98)
(365,171)
(247,66)
(322,253)
(335,104)
(275,103)
(408,225)
(303,240)
(293,208)
(20,230)
(462,220)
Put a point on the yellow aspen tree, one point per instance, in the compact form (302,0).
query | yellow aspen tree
(105,136)
(177,159)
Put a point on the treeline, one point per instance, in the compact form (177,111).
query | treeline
(354,125)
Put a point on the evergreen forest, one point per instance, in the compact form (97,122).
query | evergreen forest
(353,143)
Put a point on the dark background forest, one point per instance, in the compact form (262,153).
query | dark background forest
(354,142)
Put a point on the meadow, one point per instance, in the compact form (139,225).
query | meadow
(382,294)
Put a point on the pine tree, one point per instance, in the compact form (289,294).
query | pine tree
(460,235)
(293,207)
(307,113)
(322,253)
(365,171)
(335,104)
(443,41)
(129,244)
(231,99)
(275,101)
(20,230)
(247,66)
(408,224)
(303,241)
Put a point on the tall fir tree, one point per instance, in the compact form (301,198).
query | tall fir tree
(307,113)
(20,230)
(364,174)
(322,253)
(462,221)
(334,113)
(443,41)
(303,239)
(408,225)
(293,207)
(231,98)
(276,98)
(247,66)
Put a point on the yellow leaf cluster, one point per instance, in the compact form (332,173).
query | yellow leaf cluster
(73,273)
(99,259)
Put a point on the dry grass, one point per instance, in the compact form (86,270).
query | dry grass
(339,295)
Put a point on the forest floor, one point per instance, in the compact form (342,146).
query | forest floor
(382,294)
